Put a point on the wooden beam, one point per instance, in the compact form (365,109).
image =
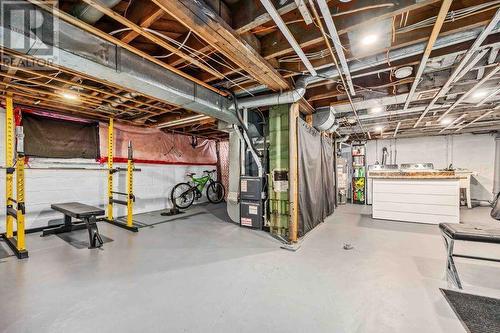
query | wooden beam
(85,97)
(203,124)
(11,70)
(72,82)
(293,168)
(152,37)
(273,44)
(89,28)
(92,101)
(145,23)
(194,43)
(220,7)
(211,28)
(32,98)
(249,14)
(445,6)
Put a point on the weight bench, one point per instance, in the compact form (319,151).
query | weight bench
(80,211)
(470,233)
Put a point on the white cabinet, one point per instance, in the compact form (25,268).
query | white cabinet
(433,200)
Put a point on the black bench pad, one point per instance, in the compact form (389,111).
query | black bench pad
(77,210)
(472,232)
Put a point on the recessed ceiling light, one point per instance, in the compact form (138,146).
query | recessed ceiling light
(479,93)
(446,121)
(377,109)
(403,72)
(69,95)
(369,39)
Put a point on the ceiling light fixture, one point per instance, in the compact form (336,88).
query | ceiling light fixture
(480,94)
(446,121)
(377,109)
(379,128)
(403,72)
(69,96)
(369,39)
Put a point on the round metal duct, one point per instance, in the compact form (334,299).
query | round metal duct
(324,120)
(89,14)
(335,126)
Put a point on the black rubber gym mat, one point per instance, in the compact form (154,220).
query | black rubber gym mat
(156,219)
(478,314)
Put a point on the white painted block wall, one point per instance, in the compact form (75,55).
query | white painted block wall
(467,151)
(152,186)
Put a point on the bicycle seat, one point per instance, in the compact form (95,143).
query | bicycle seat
(190,174)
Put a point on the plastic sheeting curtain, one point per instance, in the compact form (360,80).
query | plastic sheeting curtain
(328,176)
(223,163)
(316,178)
(152,145)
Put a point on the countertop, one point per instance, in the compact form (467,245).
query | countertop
(431,174)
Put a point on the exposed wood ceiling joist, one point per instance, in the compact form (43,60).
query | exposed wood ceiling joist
(87,27)
(274,46)
(445,6)
(152,37)
(250,14)
(208,25)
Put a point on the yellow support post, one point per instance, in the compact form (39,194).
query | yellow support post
(129,224)
(130,191)
(9,162)
(21,246)
(110,170)
(15,208)
(294,169)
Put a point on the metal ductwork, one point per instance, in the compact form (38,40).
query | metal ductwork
(89,14)
(90,55)
(380,59)
(334,127)
(324,118)
(303,82)
(287,97)
(343,139)
(120,100)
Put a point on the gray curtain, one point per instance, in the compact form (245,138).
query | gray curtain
(328,176)
(316,178)
(496,183)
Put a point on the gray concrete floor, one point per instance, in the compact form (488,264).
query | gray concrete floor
(201,274)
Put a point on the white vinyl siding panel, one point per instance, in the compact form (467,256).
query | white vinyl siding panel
(416,200)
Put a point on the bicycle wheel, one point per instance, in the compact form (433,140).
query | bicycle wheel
(182,196)
(215,192)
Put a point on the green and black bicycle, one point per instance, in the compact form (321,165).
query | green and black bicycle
(184,194)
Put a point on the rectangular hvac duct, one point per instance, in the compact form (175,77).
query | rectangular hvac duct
(80,51)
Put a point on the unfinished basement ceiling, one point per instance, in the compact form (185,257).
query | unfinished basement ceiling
(238,46)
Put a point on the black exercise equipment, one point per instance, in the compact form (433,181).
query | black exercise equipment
(81,211)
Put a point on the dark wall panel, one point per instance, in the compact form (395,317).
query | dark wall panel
(57,138)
